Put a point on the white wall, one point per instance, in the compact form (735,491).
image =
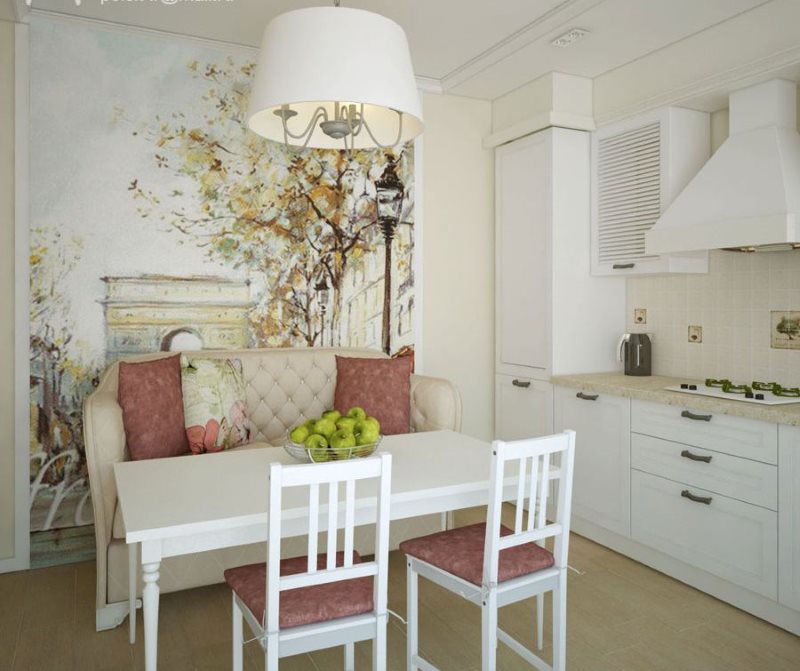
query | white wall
(458,254)
(6,289)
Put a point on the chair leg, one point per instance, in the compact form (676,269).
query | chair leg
(540,620)
(133,572)
(489,632)
(379,645)
(238,637)
(349,657)
(271,653)
(412,627)
(560,623)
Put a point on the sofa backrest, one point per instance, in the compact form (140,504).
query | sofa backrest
(284,386)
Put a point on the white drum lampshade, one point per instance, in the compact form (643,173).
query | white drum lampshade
(338,59)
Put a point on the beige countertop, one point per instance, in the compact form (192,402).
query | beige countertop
(652,389)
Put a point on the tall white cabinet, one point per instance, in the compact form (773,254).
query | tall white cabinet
(552,316)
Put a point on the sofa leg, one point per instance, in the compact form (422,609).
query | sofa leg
(111,615)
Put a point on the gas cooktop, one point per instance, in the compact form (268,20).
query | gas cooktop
(765,393)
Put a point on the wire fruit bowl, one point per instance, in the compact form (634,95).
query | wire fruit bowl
(323,454)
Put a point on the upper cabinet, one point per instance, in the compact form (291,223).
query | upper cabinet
(638,167)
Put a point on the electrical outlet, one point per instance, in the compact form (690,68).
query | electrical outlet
(695,334)
(640,316)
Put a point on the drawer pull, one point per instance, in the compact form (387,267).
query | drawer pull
(520,383)
(697,499)
(695,457)
(699,418)
(586,397)
(623,266)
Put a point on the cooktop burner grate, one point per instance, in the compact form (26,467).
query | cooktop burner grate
(765,393)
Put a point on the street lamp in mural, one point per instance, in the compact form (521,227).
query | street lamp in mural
(389,193)
(323,293)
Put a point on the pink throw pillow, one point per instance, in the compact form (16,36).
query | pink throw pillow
(152,408)
(381,386)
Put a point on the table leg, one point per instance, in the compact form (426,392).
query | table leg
(150,610)
(132,561)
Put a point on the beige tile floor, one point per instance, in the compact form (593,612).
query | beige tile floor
(622,616)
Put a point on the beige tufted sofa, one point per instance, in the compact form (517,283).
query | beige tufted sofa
(284,387)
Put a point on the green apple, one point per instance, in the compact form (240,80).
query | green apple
(299,434)
(342,438)
(332,414)
(366,433)
(346,424)
(309,424)
(357,412)
(374,421)
(316,442)
(324,427)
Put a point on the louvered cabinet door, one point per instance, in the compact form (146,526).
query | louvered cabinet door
(638,166)
(628,195)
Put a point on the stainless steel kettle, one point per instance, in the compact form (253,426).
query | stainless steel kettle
(636,352)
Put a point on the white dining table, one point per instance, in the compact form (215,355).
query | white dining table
(182,505)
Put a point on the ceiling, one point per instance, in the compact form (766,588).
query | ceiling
(478,49)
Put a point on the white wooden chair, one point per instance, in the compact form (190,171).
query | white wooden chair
(320,600)
(493,566)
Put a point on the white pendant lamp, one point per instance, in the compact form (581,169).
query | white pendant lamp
(334,78)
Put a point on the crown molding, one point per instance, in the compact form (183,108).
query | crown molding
(429,84)
(733,78)
(546,23)
(539,122)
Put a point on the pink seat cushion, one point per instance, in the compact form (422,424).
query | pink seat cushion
(381,386)
(460,552)
(304,605)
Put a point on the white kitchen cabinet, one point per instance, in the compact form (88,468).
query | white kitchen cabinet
(524,408)
(789,517)
(739,436)
(728,538)
(544,285)
(601,491)
(638,167)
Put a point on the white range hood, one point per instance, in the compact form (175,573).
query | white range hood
(747,196)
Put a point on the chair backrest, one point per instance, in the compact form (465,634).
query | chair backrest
(336,514)
(535,466)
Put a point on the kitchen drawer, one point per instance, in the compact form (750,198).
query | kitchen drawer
(733,540)
(738,436)
(743,479)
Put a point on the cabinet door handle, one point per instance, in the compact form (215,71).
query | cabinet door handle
(520,383)
(586,397)
(697,499)
(695,457)
(699,418)
(623,266)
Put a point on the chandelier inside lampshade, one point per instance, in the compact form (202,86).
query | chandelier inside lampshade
(335,78)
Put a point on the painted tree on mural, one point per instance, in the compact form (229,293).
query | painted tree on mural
(295,216)
(59,374)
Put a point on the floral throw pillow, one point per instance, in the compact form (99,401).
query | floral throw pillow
(214,407)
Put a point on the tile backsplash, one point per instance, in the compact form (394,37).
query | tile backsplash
(732,304)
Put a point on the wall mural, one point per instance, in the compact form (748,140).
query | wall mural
(161,223)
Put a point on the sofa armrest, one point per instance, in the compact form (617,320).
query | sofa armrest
(104,440)
(435,404)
